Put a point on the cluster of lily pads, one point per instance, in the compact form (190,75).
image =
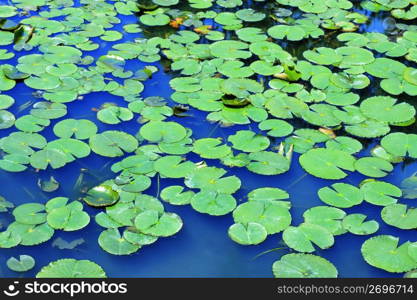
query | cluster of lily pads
(291,76)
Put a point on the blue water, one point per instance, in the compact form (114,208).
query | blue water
(202,248)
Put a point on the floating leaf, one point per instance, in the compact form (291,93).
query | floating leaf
(327,217)
(326,163)
(113,143)
(385,109)
(212,203)
(274,218)
(48,185)
(174,195)
(251,234)
(373,166)
(80,129)
(153,223)
(400,144)
(101,196)
(399,215)
(382,252)
(211,179)
(71,268)
(341,195)
(380,192)
(112,242)
(248,141)
(303,237)
(298,265)
(355,223)
(23,264)
(158,131)
(30,213)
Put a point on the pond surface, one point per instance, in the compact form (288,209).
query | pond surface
(202,248)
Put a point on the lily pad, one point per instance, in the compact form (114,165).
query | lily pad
(303,237)
(158,131)
(113,143)
(80,129)
(383,252)
(153,223)
(23,264)
(274,218)
(298,265)
(400,216)
(380,192)
(341,195)
(251,234)
(248,141)
(326,163)
(71,268)
(101,196)
(213,203)
(373,166)
(112,242)
(356,224)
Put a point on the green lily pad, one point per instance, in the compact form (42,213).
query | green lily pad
(276,128)
(248,141)
(268,163)
(71,268)
(158,131)
(211,178)
(267,194)
(112,242)
(210,148)
(400,144)
(274,218)
(327,217)
(175,195)
(80,129)
(230,49)
(341,195)
(153,223)
(400,216)
(344,143)
(23,264)
(7,119)
(251,234)
(355,223)
(113,114)
(373,166)
(383,252)
(213,203)
(31,235)
(326,163)
(174,167)
(303,237)
(47,110)
(380,192)
(113,143)
(68,218)
(101,196)
(385,109)
(30,213)
(299,265)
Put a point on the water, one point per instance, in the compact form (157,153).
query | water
(202,248)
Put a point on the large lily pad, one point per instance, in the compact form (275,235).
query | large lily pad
(326,163)
(71,268)
(298,265)
(383,252)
